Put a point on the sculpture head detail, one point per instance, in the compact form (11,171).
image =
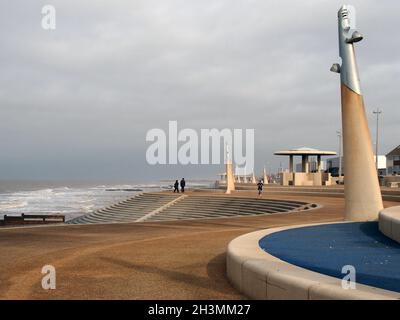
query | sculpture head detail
(348,36)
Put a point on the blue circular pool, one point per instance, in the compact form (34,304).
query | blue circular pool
(327,248)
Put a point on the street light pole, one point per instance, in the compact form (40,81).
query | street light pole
(339,134)
(377,112)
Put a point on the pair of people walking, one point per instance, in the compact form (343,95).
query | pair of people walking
(182,183)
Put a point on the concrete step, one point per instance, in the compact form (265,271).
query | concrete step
(216,210)
(127,210)
(235,206)
(117,215)
(167,206)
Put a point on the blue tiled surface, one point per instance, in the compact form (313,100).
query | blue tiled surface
(327,248)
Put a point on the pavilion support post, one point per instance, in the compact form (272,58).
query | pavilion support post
(304,163)
(307,165)
(291,163)
(318,163)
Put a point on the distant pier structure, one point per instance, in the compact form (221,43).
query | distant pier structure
(238,178)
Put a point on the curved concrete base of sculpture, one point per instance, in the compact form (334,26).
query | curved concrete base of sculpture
(363,199)
(389,223)
(260,275)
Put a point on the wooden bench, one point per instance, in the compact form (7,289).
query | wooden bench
(33,219)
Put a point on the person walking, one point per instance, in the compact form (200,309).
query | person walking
(183,184)
(176,186)
(259,187)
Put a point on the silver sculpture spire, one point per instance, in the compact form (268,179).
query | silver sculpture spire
(348,35)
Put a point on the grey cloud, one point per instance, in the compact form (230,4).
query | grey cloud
(77,102)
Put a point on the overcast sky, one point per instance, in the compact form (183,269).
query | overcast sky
(77,102)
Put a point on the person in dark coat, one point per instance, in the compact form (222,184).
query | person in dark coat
(176,186)
(259,187)
(183,183)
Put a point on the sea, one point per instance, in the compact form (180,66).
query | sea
(73,199)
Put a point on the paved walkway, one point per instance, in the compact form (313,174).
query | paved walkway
(164,260)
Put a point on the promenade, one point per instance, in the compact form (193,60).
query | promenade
(151,260)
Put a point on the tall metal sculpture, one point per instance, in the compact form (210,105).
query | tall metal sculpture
(363,199)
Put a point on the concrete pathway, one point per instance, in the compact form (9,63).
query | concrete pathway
(150,260)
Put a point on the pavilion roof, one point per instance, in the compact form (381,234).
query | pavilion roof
(304,151)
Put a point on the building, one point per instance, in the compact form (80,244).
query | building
(333,165)
(393,161)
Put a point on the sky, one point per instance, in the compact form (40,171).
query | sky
(77,102)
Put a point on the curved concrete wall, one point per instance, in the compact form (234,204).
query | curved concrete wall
(389,222)
(260,275)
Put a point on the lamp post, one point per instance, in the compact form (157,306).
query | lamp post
(339,134)
(377,112)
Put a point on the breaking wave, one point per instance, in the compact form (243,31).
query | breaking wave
(68,201)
